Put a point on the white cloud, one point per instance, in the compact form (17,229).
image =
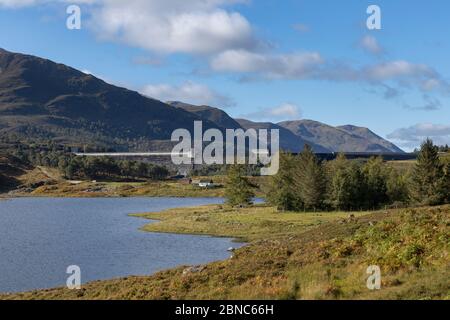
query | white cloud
(286,111)
(189,92)
(400,69)
(413,136)
(18,3)
(26,3)
(194,26)
(370,44)
(293,66)
(312,66)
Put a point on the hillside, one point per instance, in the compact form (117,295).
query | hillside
(370,136)
(46,100)
(215,115)
(288,140)
(305,256)
(11,170)
(339,139)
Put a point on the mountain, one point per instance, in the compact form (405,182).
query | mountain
(288,140)
(339,139)
(215,115)
(41,100)
(370,136)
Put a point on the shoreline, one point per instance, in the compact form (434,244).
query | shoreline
(286,258)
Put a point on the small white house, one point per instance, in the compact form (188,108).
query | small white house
(206,184)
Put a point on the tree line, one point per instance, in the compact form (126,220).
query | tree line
(305,183)
(109,168)
(76,167)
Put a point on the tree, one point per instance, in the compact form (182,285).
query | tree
(428,178)
(309,180)
(446,183)
(347,188)
(397,187)
(281,191)
(238,191)
(2,182)
(157,172)
(375,176)
(69,171)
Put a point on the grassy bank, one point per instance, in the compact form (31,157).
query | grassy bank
(47,182)
(296,256)
(247,224)
(123,189)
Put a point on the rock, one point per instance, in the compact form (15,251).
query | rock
(193,269)
(231,249)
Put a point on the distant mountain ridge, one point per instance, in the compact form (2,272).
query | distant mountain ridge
(44,100)
(288,140)
(347,138)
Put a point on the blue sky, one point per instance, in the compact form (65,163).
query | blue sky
(264,60)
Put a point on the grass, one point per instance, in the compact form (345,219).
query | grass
(47,182)
(296,256)
(246,224)
(125,189)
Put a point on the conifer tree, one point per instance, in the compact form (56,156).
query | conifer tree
(346,184)
(375,175)
(397,187)
(238,190)
(446,183)
(310,180)
(428,180)
(281,192)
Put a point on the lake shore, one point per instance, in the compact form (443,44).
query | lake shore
(116,189)
(293,256)
(99,189)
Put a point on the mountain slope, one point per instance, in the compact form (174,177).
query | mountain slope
(339,139)
(370,136)
(48,100)
(215,115)
(288,140)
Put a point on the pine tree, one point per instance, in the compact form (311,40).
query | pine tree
(347,188)
(309,180)
(238,191)
(281,192)
(375,175)
(397,187)
(428,180)
(446,183)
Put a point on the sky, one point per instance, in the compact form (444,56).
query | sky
(264,60)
